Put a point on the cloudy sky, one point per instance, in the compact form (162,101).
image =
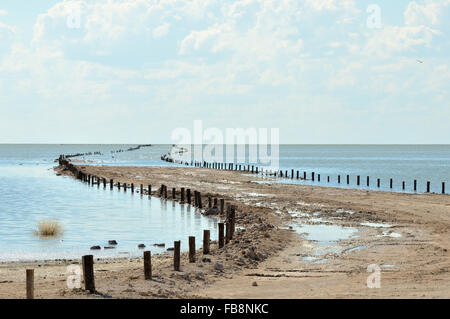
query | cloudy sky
(322,71)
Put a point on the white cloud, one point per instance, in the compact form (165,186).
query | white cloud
(161,31)
(430,12)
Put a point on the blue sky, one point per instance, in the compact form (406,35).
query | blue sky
(133,71)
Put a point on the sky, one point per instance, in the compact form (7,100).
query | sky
(321,71)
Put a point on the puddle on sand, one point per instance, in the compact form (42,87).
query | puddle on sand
(325,239)
(376,225)
(387,233)
(325,233)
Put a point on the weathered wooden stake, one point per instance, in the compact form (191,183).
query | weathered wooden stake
(443,187)
(147,265)
(221,235)
(188,195)
(222,205)
(191,249)
(339,179)
(348,179)
(428,187)
(88,272)
(403,185)
(149,190)
(390,183)
(312,176)
(227,232)
(378,183)
(182,195)
(209,202)
(415,185)
(30,283)
(173,193)
(111,184)
(206,241)
(367,181)
(176,255)
(142,189)
(358,180)
(200,205)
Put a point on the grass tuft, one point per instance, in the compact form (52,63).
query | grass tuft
(49,228)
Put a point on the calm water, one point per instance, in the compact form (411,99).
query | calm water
(30,192)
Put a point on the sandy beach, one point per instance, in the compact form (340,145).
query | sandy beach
(407,235)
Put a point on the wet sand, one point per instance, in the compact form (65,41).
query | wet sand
(407,235)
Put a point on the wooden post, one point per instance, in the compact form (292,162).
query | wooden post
(227,232)
(378,182)
(358,180)
(403,185)
(191,249)
(182,195)
(206,241)
(176,255)
(297,174)
(390,183)
(443,187)
(111,184)
(348,179)
(328,179)
(88,272)
(428,187)
(339,179)
(188,195)
(292,173)
(124,187)
(209,202)
(104,182)
(165,191)
(173,193)
(147,265)
(199,200)
(222,205)
(367,182)
(312,176)
(318,177)
(215,202)
(132,187)
(415,185)
(30,283)
(232,220)
(118,186)
(221,235)
(161,190)
(149,190)
(304,175)
(195,199)
(142,189)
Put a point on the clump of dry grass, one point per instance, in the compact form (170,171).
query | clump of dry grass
(49,228)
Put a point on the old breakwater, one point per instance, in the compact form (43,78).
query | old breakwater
(314,177)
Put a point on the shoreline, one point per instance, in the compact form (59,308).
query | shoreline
(284,270)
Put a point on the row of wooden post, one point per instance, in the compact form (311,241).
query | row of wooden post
(88,260)
(255,170)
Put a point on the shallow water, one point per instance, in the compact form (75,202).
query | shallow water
(90,216)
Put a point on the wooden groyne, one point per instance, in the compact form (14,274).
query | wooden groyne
(183,196)
(295,174)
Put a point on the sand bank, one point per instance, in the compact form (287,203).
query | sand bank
(294,241)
